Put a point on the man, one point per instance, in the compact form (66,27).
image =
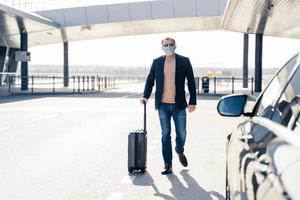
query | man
(169,73)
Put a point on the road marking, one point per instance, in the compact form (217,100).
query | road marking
(115,196)
(127,180)
(4,128)
(158,135)
(151,148)
(155,141)
(43,118)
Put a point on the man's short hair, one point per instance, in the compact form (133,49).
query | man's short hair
(168,38)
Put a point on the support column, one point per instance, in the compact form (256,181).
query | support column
(258,62)
(24,65)
(2,57)
(245,60)
(3,53)
(66,64)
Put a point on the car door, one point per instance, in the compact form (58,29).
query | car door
(239,153)
(255,150)
(281,157)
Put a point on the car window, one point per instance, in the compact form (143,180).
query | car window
(289,102)
(260,133)
(286,112)
(272,92)
(266,107)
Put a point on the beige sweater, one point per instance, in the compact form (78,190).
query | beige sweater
(169,90)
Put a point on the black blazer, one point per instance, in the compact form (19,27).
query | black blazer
(183,70)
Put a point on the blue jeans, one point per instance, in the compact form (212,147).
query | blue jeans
(165,112)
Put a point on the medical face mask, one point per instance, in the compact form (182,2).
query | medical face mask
(169,50)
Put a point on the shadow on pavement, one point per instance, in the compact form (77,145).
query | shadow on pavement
(147,180)
(179,191)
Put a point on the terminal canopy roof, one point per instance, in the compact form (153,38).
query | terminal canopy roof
(268,17)
(109,20)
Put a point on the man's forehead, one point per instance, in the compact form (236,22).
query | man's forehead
(168,40)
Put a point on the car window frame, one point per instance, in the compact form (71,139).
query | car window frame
(295,70)
(283,87)
(273,106)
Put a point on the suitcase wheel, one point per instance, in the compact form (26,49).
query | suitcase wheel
(143,171)
(130,170)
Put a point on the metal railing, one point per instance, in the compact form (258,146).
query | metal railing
(55,84)
(223,85)
(39,83)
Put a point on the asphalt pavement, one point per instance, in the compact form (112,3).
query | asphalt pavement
(73,147)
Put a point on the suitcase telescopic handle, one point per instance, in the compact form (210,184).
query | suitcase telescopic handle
(145,110)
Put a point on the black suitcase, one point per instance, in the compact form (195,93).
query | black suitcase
(137,149)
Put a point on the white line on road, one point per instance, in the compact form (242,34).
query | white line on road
(4,128)
(115,196)
(151,148)
(127,180)
(43,118)
(158,135)
(155,141)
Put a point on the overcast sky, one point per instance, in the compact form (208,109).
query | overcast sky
(205,49)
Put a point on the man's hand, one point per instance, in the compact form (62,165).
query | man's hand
(144,101)
(191,108)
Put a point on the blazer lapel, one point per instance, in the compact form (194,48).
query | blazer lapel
(162,67)
(176,67)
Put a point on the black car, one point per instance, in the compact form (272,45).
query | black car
(263,151)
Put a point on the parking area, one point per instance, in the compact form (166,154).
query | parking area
(75,147)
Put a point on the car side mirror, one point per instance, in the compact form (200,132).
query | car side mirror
(232,105)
